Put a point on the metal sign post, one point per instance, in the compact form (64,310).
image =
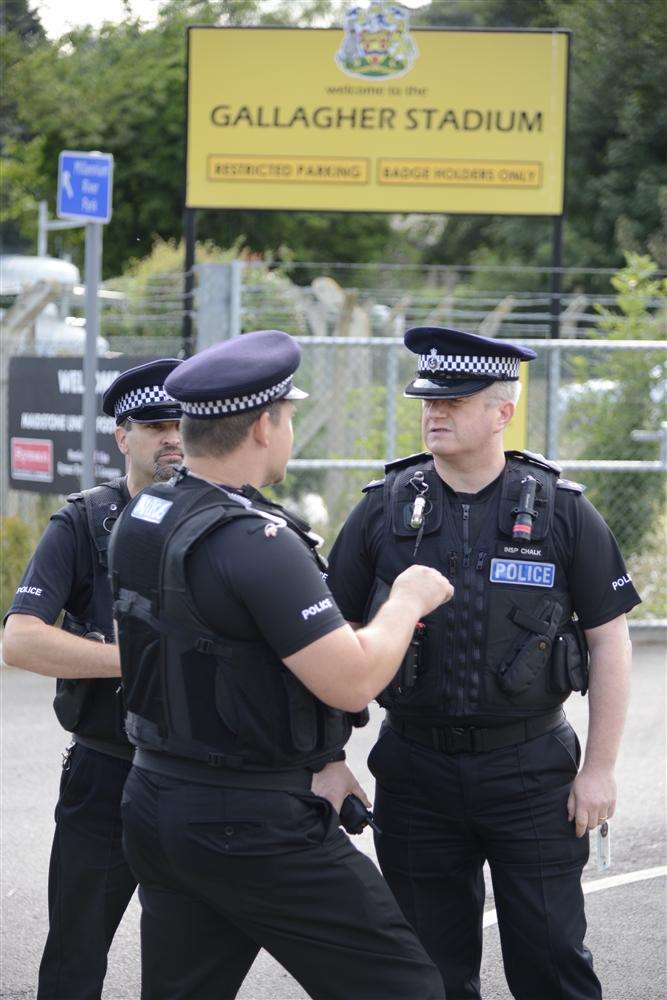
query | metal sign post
(89,429)
(84,193)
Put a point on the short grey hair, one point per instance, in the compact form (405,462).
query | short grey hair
(503,392)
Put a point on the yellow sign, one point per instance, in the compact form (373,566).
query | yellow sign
(377,118)
(472,173)
(288,169)
(516,434)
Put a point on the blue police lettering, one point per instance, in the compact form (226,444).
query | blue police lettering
(519,571)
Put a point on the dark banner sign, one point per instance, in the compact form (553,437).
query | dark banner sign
(45,422)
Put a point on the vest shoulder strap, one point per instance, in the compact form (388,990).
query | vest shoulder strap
(103,505)
(373,485)
(534,458)
(404,463)
(569,484)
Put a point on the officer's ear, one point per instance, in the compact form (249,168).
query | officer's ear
(506,411)
(261,429)
(120,434)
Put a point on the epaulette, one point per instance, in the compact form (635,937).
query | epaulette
(569,484)
(373,485)
(534,458)
(403,463)
(104,491)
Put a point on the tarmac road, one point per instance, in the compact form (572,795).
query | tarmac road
(626,918)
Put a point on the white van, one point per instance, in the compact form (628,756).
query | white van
(55,331)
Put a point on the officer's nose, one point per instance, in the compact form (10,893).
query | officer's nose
(438,407)
(172,435)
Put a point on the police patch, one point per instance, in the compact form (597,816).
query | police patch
(151,508)
(529,574)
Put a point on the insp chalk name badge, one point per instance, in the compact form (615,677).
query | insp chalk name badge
(150,508)
(521,571)
(520,550)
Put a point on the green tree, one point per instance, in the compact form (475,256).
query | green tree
(121,89)
(633,396)
(21,33)
(135,110)
(617,136)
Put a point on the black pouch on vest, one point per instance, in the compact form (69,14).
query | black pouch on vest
(70,702)
(518,673)
(72,695)
(559,682)
(569,663)
(577,661)
(408,672)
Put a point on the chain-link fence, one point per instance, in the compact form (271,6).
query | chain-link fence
(587,396)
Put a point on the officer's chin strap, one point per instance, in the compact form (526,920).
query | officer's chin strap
(419,510)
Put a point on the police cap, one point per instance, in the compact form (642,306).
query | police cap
(139,393)
(238,375)
(453,363)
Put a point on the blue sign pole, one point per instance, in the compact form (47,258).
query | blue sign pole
(84,193)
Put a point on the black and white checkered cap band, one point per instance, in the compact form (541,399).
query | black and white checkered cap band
(468,364)
(148,395)
(236,404)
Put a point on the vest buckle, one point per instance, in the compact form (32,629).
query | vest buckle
(203,645)
(216,759)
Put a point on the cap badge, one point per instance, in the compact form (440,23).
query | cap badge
(435,362)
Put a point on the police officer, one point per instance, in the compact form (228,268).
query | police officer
(241,682)
(476,761)
(90,884)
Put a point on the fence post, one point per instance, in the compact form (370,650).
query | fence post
(553,392)
(190,236)
(218,302)
(392,388)
(553,366)
(42,228)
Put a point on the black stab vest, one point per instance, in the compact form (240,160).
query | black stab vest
(93,708)
(506,645)
(191,692)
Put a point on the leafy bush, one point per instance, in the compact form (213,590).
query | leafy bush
(634,398)
(16,545)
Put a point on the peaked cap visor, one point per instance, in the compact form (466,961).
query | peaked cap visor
(450,388)
(164,413)
(295,394)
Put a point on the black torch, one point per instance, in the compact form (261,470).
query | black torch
(525,513)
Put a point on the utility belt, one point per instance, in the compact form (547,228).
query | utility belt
(298,780)
(112,748)
(470,739)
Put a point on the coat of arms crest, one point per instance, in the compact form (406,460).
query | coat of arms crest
(377,42)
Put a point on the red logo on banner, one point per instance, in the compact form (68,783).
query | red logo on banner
(32,458)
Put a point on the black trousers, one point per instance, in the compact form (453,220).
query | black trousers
(90,883)
(442,816)
(224,872)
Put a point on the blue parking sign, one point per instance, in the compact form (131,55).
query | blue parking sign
(84,186)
